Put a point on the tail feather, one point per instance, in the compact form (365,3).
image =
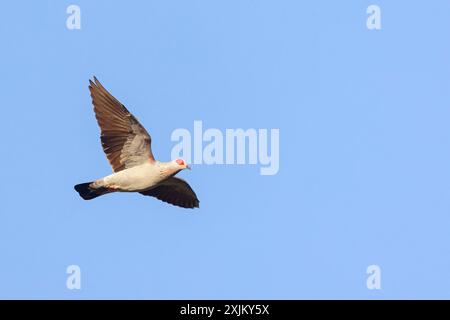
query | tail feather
(87,192)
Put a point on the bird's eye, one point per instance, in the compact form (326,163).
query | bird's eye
(180,162)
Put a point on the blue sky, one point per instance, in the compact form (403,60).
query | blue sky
(364,149)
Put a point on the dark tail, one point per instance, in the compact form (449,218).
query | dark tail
(88,193)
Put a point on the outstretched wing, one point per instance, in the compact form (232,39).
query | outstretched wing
(175,191)
(124,140)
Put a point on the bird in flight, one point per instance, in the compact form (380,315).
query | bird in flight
(127,146)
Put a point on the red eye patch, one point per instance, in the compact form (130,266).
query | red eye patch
(180,162)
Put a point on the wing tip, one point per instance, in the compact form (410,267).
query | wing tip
(94,82)
(96,86)
(92,85)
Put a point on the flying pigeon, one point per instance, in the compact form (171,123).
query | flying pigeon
(127,146)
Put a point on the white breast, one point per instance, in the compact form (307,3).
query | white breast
(137,178)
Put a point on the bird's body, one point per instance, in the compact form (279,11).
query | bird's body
(136,179)
(128,148)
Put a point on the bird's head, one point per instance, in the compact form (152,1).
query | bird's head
(181,164)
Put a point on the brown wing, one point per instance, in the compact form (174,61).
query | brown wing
(175,191)
(124,140)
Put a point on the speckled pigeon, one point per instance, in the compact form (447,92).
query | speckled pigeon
(128,148)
